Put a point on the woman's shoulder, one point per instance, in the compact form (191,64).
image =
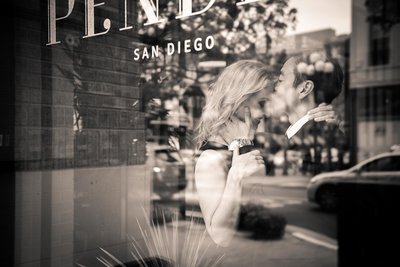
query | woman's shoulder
(212,154)
(214,158)
(211,162)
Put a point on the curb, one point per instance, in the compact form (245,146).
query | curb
(279,181)
(288,185)
(312,237)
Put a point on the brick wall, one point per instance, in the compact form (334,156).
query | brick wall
(77,187)
(98,73)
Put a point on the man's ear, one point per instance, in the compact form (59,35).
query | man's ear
(305,88)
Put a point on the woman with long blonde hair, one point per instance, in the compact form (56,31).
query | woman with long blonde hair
(233,110)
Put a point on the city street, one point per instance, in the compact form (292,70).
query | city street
(286,195)
(310,233)
(292,203)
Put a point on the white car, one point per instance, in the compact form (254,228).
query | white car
(383,168)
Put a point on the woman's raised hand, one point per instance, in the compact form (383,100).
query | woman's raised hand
(247,164)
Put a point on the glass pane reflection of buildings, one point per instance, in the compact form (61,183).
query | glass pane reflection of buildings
(94,156)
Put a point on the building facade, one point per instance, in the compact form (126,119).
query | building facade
(374,78)
(306,43)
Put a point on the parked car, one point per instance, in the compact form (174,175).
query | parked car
(383,168)
(169,172)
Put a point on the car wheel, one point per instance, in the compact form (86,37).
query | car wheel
(327,198)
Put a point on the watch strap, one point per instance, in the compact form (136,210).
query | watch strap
(240,143)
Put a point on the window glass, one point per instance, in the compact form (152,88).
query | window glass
(380,165)
(117,118)
(395,163)
(379,45)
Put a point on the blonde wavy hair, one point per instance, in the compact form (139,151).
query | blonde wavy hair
(234,86)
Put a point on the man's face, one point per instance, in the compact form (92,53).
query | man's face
(284,88)
(285,99)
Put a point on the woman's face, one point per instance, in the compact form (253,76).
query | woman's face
(256,103)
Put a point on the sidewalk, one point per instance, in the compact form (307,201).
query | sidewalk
(290,251)
(299,247)
(295,181)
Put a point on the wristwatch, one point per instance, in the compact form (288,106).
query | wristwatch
(240,143)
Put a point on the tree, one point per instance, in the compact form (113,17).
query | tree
(240,32)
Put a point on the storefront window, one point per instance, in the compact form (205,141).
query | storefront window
(193,133)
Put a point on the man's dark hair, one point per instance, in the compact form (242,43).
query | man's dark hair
(327,86)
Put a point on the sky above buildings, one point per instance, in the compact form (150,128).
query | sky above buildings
(321,14)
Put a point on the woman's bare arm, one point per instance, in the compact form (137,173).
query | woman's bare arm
(220,193)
